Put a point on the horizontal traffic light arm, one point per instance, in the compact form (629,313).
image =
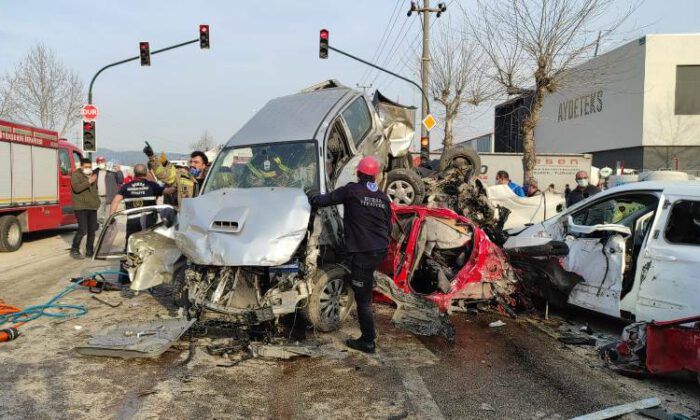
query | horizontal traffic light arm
(138,57)
(385,71)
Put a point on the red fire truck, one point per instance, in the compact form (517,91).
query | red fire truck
(35,191)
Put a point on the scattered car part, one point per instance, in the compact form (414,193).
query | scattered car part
(656,347)
(413,313)
(619,410)
(139,339)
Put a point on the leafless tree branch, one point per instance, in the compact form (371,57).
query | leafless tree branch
(532,44)
(44,92)
(458,76)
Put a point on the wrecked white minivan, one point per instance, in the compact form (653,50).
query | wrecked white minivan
(249,248)
(631,252)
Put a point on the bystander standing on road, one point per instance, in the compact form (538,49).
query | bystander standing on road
(367,223)
(109,180)
(583,189)
(502,178)
(85,204)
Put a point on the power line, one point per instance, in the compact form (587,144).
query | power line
(388,29)
(392,48)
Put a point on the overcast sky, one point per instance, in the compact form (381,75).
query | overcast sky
(259,50)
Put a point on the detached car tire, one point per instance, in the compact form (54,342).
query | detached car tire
(10,234)
(460,156)
(331,298)
(405,187)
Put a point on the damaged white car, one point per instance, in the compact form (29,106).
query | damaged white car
(631,252)
(248,248)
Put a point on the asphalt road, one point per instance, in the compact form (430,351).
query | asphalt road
(517,371)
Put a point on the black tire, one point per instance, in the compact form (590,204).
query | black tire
(10,234)
(462,157)
(323,310)
(179,288)
(404,186)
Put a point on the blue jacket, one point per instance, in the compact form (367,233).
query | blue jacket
(517,189)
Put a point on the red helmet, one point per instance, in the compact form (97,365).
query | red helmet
(369,165)
(100,159)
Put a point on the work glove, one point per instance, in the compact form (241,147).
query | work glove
(148,150)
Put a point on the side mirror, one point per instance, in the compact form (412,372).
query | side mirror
(560,208)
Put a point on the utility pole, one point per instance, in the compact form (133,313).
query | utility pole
(363,87)
(425,69)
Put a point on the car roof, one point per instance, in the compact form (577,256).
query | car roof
(668,187)
(691,188)
(292,117)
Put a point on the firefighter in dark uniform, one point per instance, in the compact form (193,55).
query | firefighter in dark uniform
(367,223)
(139,193)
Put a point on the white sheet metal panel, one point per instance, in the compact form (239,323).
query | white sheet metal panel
(21,174)
(45,174)
(5,175)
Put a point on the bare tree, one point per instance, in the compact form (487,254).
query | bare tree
(532,44)
(42,91)
(205,142)
(6,91)
(458,77)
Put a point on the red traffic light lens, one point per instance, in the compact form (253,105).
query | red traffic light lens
(324,34)
(203,28)
(87,126)
(143,45)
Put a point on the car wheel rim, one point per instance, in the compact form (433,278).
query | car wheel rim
(401,192)
(14,235)
(334,301)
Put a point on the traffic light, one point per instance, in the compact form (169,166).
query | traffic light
(89,136)
(145,53)
(323,44)
(204,36)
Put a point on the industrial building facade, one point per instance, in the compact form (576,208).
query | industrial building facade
(637,105)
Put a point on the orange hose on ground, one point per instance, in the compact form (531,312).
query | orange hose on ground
(6,309)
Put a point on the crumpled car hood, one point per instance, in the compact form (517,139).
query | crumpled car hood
(243,226)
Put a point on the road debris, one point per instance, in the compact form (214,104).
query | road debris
(140,339)
(496,324)
(486,407)
(415,314)
(105,302)
(648,348)
(620,410)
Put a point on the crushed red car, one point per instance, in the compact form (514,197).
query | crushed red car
(656,347)
(440,262)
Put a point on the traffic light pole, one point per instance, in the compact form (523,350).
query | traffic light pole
(424,148)
(172,47)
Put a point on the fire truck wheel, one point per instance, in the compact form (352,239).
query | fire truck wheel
(10,234)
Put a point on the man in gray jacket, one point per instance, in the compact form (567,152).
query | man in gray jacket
(85,203)
(109,180)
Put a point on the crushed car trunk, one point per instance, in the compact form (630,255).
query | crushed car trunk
(398,121)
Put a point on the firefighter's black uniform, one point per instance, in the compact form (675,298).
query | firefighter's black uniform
(140,193)
(367,223)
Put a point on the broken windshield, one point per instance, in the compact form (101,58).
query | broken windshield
(289,164)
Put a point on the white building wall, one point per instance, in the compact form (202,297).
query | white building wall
(661,126)
(598,106)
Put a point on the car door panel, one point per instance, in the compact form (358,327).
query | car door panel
(668,282)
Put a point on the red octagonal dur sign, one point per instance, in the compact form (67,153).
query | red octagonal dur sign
(90,112)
